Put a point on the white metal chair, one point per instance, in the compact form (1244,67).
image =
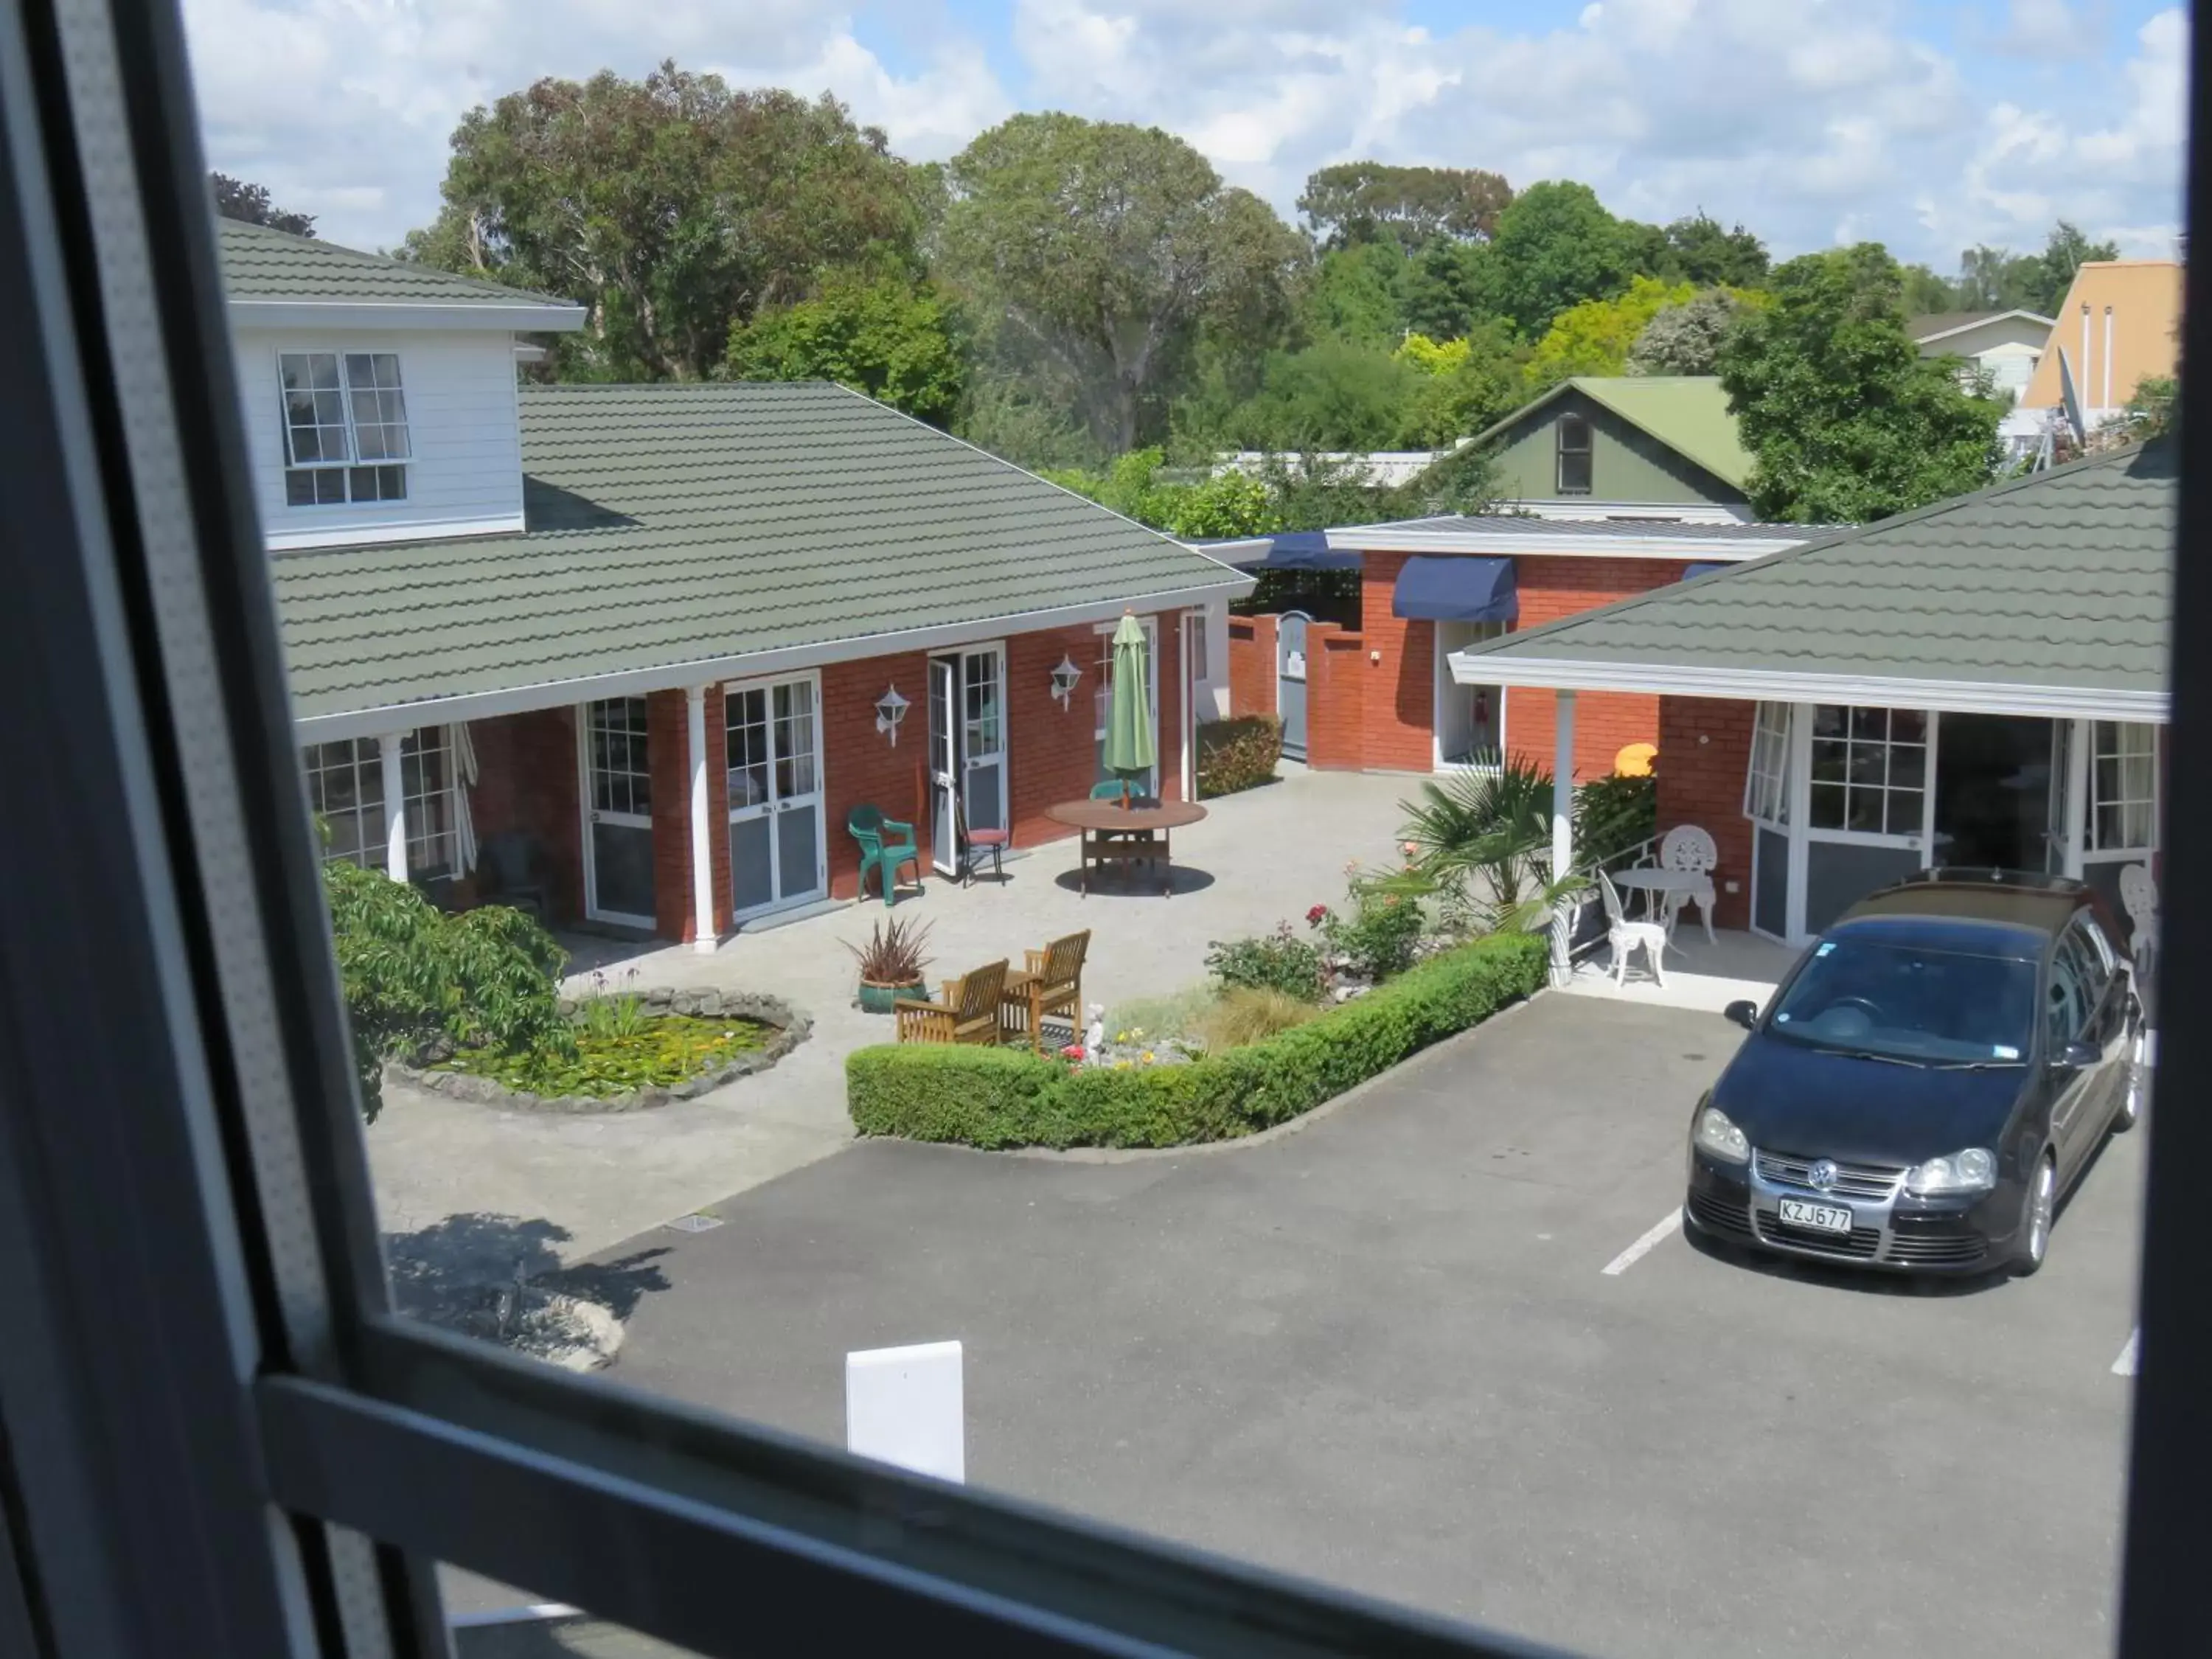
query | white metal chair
(1625,936)
(1691,850)
(2139,898)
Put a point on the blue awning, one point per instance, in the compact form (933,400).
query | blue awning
(1451,587)
(1299,549)
(1704,567)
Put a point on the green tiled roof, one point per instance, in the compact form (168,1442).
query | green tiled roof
(689,524)
(262,264)
(1688,413)
(2061,579)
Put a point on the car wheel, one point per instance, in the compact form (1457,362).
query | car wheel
(2135,1088)
(2036,1217)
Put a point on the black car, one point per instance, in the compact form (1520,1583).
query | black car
(1933,1074)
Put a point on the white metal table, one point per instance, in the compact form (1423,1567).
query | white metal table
(1656,883)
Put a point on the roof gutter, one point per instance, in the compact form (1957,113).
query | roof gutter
(1478,667)
(559,693)
(521,317)
(1381,539)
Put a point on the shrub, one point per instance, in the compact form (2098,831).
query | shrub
(1377,939)
(416,979)
(1237,754)
(993,1097)
(1613,814)
(1245,1014)
(1280,961)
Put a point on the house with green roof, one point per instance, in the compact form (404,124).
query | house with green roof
(1623,446)
(632,654)
(1980,683)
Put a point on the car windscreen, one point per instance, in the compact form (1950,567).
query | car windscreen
(1920,1003)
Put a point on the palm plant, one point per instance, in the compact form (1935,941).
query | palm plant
(1493,828)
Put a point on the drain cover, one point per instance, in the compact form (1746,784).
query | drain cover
(695,1223)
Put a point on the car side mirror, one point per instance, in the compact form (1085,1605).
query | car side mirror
(1743,1012)
(2079,1056)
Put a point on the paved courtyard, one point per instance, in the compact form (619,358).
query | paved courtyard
(1446,1343)
(569,1186)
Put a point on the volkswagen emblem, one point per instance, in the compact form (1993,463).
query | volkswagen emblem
(1822,1174)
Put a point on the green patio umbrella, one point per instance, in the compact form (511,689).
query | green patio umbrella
(1129,752)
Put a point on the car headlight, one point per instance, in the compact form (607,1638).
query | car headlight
(1973,1170)
(1713,1133)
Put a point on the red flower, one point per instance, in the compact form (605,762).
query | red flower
(1314,916)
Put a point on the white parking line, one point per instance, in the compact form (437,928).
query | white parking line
(2125,1365)
(1643,1246)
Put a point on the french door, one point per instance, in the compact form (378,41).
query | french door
(618,812)
(772,748)
(967,749)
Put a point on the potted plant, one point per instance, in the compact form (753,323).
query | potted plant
(890,964)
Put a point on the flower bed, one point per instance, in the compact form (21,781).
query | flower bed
(654,1047)
(994,1098)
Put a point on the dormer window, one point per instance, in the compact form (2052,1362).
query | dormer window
(1574,455)
(345,427)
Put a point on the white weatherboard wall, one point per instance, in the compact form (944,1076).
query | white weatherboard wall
(467,476)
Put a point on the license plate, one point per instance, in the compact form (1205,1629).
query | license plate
(1819,1217)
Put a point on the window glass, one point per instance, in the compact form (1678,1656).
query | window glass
(746,746)
(1870,770)
(345,791)
(1767,788)
(1575,470)
(620,780)
(345,427)
(2124,787)
(2068,1002)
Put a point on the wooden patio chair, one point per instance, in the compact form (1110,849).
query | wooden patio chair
(968,1011)
(1050,984)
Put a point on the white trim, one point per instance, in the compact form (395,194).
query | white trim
(588,816)
(415,529)
(1587,509)
(1221,551)
(395,804)
(1715,550)
(1798,868)
(780,901)
(1983,322)
(1758,684)
(1563,783)
(638,682)
(488,317)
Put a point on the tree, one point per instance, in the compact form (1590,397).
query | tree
(2152,407)
(1595,336)
(234,199)
(1844,419)
(899,343)
(1107,247)
(1926,293)
(1685,337)
(1697,251)
(1332,395)
(2065,252)
(1358,202)
(1358,293)
(1475,383)
(1556,246)
(672,208)
(1447,288)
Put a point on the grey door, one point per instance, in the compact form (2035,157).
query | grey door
(1291,681)
(618,788)
(774,756)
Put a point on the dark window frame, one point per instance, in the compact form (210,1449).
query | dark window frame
(1582,457)
(187,1244)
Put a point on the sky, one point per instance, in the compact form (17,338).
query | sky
(1929,126)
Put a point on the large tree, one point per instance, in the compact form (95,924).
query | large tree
(235,198)
(672,208)
(895,341)
(1696,249)
(1845,420)
(1685,338)
(1556,246)
(1105,248)
(1595,336)
(1357,202)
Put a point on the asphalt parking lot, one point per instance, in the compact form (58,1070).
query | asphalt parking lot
(1448,1344)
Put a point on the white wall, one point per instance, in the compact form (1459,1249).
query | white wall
(467,476)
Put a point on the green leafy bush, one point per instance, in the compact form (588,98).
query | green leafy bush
(417,980)
(1280,961)
(1237,754)
(1377,939)
(994,1097)
(1613,814)
(613,1056)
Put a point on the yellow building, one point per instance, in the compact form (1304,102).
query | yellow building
(2120,322)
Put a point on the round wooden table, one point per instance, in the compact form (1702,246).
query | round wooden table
(1115,834)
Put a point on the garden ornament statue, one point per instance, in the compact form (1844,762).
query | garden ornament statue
(1094,1036)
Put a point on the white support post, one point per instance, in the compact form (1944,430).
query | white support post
(703,867)
(395,806)
(1563,784)
(2077,796)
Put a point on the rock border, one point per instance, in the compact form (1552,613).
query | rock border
(792,1027)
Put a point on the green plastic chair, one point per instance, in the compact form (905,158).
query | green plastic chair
(1109,789)
(885,844)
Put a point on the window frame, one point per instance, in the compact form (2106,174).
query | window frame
(2144,807)
(359,480)
(1764,787)
(272,1370)
(1585,452)
(1891,831)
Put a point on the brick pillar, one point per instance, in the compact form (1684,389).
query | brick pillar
(668,759)
(1252,649)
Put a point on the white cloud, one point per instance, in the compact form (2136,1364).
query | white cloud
(1806,121)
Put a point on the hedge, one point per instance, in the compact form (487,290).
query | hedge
(999,1098)
(1237,754)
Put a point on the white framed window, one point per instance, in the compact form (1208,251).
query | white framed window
(1870,770)
(1766,784)
(346,437)
(426,782)
(345,790)
(1200,659)
(2123,787)
(1574,435)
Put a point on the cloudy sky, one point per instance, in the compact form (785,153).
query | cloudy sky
(1926,125)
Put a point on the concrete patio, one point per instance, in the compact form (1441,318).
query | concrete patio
(1702,974)
(584,1182)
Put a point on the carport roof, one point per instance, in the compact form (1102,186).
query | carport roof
(2049,595)
(677,534)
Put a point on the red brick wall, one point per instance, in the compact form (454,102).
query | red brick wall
(1606,722)
(527,783)
(1704,749)
(1251,666)
(861,767)
(1336,709)
(1400,689)
(668,758)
